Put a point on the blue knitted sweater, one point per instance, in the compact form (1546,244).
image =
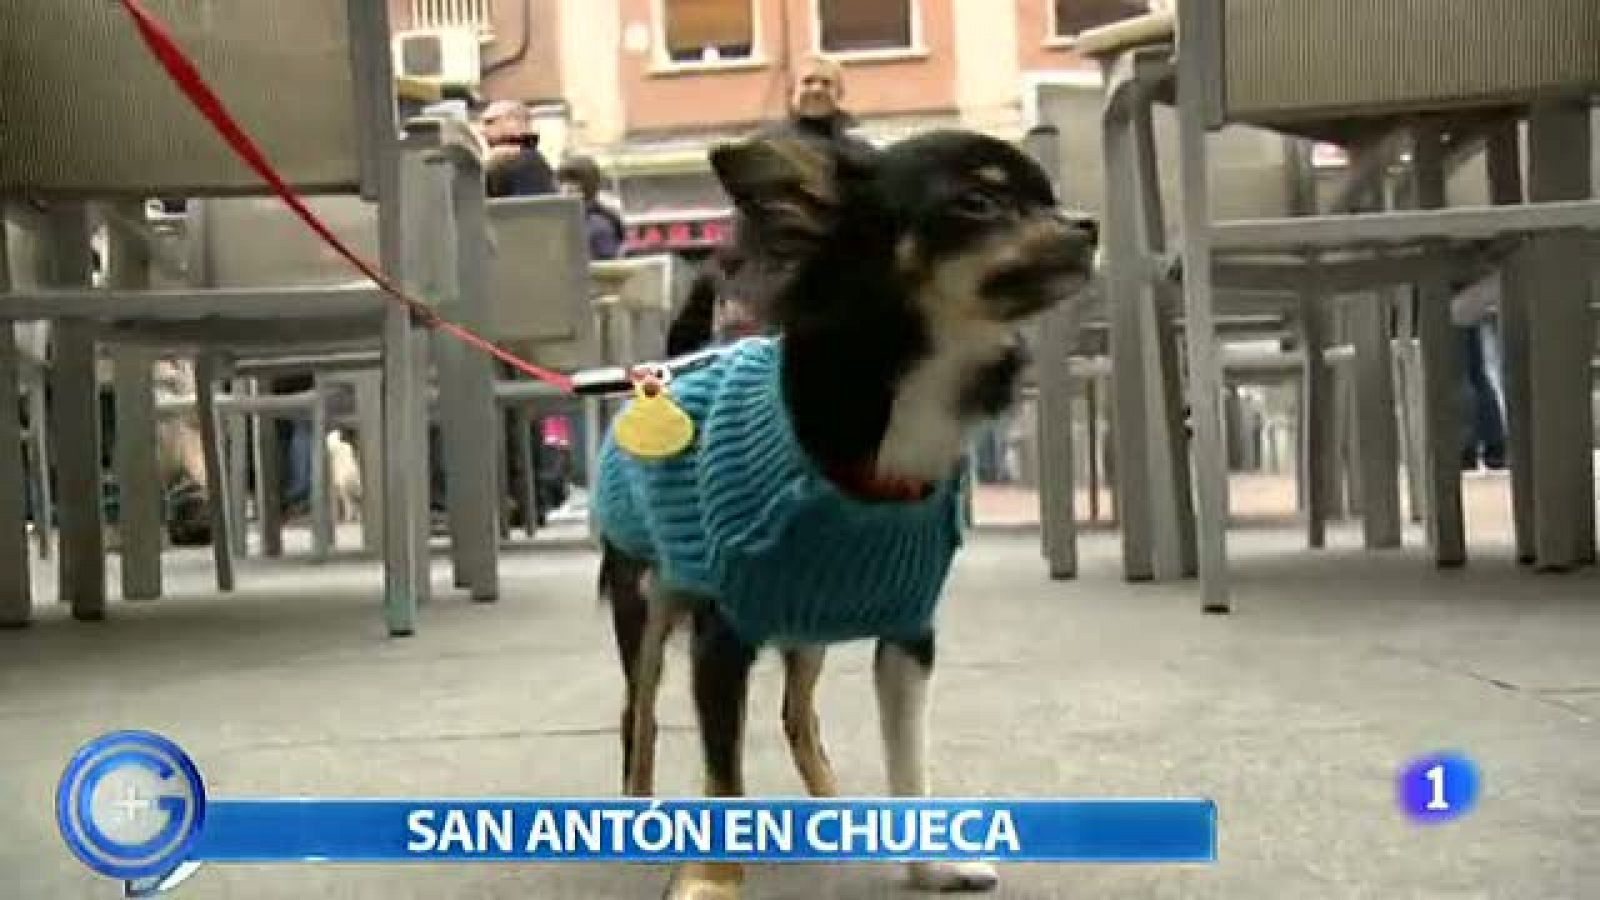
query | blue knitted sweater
(744,519)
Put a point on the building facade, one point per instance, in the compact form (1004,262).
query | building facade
(646,86)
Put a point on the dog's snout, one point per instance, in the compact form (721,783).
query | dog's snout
(1066,241)
(1077,230)
(1086,226)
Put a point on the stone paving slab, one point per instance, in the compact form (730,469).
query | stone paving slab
(1293,714)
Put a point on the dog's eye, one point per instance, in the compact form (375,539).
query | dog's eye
(979,205)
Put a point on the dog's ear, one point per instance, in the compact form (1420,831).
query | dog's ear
(766,170)
(785,187)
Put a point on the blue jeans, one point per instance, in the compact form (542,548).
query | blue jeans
(991,452)
(579,467)
(297,462)
(437,494)
(1485,432)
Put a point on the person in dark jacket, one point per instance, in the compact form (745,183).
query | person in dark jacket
(580,177)
(815,115)
(514,166)
(816,112)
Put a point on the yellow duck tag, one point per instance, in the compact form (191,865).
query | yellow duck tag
(653,426)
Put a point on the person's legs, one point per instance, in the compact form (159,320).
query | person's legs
(1493,410)
(512,420)
(181,457)
(551,466)
(294,441)
(988,454)
(578,440)
(1486,427)
(437,498)
(296,438)
(108,426)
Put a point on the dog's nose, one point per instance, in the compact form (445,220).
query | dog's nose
(1074,239)
(1090,227)
(1085,227)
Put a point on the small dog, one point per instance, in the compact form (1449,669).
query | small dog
(819,500)
(344,477)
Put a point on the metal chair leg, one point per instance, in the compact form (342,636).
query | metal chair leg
(322,537)
(1441,376)
(1205,364)
(205,378)
(16,592)
(369,415)
(44,510)
(1057,486)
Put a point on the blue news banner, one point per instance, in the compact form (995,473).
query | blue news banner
(132,805)
(749,830)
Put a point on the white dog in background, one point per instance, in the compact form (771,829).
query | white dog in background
(344,477)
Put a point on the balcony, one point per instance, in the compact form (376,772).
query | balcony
(474,15)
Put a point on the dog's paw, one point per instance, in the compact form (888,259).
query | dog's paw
(947,877)
(692,889)
(705,882)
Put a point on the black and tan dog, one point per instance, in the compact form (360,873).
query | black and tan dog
(912,270)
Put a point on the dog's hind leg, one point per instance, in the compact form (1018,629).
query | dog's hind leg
(622,586)
(722,664)
(802,666)
(903,671)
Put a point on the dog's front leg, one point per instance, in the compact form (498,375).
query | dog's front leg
(721,679)
(903,671)
(640,734)
(802,667)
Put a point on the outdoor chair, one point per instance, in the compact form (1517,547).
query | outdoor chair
(1356,73)
(120,139)
(562,310)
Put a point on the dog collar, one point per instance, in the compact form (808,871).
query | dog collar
(865,483)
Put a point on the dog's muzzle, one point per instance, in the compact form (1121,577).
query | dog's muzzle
(1057,261)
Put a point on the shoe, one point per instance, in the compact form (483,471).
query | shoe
(189,532)
(188,516)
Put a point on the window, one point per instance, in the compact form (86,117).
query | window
(1074,16)
(863,26)
(706,31)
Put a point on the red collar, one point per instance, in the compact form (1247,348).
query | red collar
(864,483)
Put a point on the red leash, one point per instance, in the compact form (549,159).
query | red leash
(188,79)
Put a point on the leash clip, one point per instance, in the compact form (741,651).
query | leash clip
(610,381)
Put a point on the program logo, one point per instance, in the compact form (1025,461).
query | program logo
(130,805)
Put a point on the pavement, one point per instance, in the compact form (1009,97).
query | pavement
(1293,714)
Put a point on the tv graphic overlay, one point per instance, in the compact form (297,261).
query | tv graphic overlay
(1438,788)
(132,806)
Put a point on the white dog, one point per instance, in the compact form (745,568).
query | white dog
(344,477)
